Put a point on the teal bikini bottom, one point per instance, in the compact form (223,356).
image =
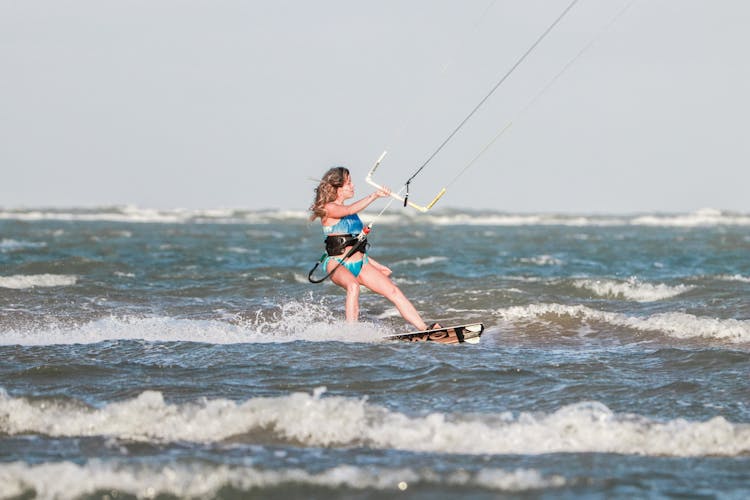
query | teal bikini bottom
(354,267)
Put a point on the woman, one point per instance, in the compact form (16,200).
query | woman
(340,224)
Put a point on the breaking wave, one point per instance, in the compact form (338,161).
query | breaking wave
(292,322)
(734,277)
(69,480)
(347,422)
(130,213)
(700,218)
(9,245)
(542,260)
(674,324)
(633,289)
(422,261)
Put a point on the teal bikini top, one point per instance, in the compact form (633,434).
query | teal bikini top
(349,224)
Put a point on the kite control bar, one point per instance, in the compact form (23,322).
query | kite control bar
(374,184)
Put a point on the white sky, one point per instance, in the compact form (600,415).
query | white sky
(229,103)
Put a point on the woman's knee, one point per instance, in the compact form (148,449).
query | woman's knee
(394,294)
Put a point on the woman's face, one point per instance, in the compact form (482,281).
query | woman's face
(347,190)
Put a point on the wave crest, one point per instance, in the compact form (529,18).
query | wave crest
(707,217)
(674,324)
(633,289)
(70,480)
(348,422)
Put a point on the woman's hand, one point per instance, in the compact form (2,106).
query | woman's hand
(380,267)
(383,192)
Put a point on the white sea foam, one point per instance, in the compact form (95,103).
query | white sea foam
(65,480)
(632,289)
(699,218)
(122,214)
(542,260)
(423,261)
(734,277)
(241,250)
(132,328)
(129,213)
(10,245)
(21,281)
(516,220)
(586,427)
(675,324)
(293,321)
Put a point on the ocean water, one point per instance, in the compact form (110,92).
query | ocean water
(183,354)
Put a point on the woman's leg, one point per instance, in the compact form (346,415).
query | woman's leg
(346,280)
(379,283)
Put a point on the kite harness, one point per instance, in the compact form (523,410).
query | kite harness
(335,245)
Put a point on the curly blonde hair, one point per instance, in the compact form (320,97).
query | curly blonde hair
(326,190)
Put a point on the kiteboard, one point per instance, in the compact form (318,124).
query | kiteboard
(458,334)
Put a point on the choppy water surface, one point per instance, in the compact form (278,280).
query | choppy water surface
(183,354)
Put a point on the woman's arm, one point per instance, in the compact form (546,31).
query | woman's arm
(336,211)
